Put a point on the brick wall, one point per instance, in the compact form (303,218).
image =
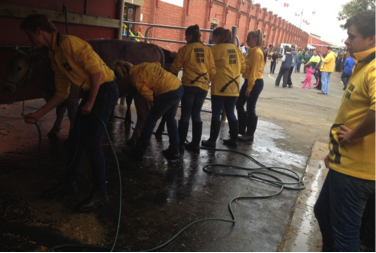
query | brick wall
(245,16)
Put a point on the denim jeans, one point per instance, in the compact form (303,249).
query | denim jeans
(226,102)
(345,78)
(272,66)
(325,78)
(191,103)
(165,105)
(88,130)
(369,224)
(283,72)
(251,100)
(339,210)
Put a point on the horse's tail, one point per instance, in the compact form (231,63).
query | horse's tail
(122,68)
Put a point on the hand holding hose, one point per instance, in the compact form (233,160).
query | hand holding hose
(31,118)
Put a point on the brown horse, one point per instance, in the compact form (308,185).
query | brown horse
(34,68)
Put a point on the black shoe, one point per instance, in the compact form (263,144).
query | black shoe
(132,153)
(344,88)
(251,128)
(243,118)
(194,145)
(183,131)
(215,127)
(283,86)
(290,86)
(170,155)
(234,131)
(64,187)
(98,197)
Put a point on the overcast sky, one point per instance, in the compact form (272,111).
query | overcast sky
(323,23)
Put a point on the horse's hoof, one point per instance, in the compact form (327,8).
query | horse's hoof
(52,136)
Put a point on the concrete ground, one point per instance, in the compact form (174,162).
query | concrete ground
(161,197)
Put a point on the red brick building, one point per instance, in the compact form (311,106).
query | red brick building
(209,14)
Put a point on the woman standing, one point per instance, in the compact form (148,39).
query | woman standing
(229,63)
(198,70)
(252,86)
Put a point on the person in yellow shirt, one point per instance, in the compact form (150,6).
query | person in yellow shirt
(229,63)
(151,80)
(197,62)
(328,64)
(350,182)
(74,61)
(252,86)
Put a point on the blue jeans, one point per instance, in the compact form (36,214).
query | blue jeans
(88,130)
(251,100)
(228,102)
(165,105)
(339,210)
(369,236)
(345,78)
(191,103)
(325,78)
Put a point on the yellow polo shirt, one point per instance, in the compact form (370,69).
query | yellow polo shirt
(151,78)
(254,66)
(197,62)
(356,159)
(229,63)
(73,61)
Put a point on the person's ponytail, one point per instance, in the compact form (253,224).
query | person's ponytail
(194,30)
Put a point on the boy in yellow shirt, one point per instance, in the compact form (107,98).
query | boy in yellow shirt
(350,182)
(74,61)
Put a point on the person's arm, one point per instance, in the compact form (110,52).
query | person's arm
(348,136)
(56,100)
(178,62)
(95,81)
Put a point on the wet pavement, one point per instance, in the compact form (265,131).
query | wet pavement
(159,197)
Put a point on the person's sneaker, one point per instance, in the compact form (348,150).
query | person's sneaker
(170,155)
(290,86)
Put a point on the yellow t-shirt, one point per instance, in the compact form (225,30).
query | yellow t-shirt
(198,66)
(328,63)
(357,159)
(149,78)
(73,61)
(229,63)
(254,66)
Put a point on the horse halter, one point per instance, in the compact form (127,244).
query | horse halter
(22,80)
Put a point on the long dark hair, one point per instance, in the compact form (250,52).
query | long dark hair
(194,30)
(34,21)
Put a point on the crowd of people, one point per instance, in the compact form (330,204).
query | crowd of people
(351,160)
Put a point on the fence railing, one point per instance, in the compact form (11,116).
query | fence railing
(150,26)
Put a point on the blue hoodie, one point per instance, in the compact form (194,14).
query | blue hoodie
(349,64)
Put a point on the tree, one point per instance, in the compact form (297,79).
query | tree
(354,7)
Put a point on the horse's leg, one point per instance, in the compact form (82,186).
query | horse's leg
(142,108)
(60,111)
(128,113)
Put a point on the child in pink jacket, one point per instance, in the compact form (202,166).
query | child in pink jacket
(308,78)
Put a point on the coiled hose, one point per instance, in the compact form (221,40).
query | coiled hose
(259,174)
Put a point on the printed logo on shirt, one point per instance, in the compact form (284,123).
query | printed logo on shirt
(200,55)
(232,56)
(349,91)
(67,66)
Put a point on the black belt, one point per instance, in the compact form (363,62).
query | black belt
(233,80)
(199,76)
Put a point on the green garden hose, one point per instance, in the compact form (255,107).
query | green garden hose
(259,174)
